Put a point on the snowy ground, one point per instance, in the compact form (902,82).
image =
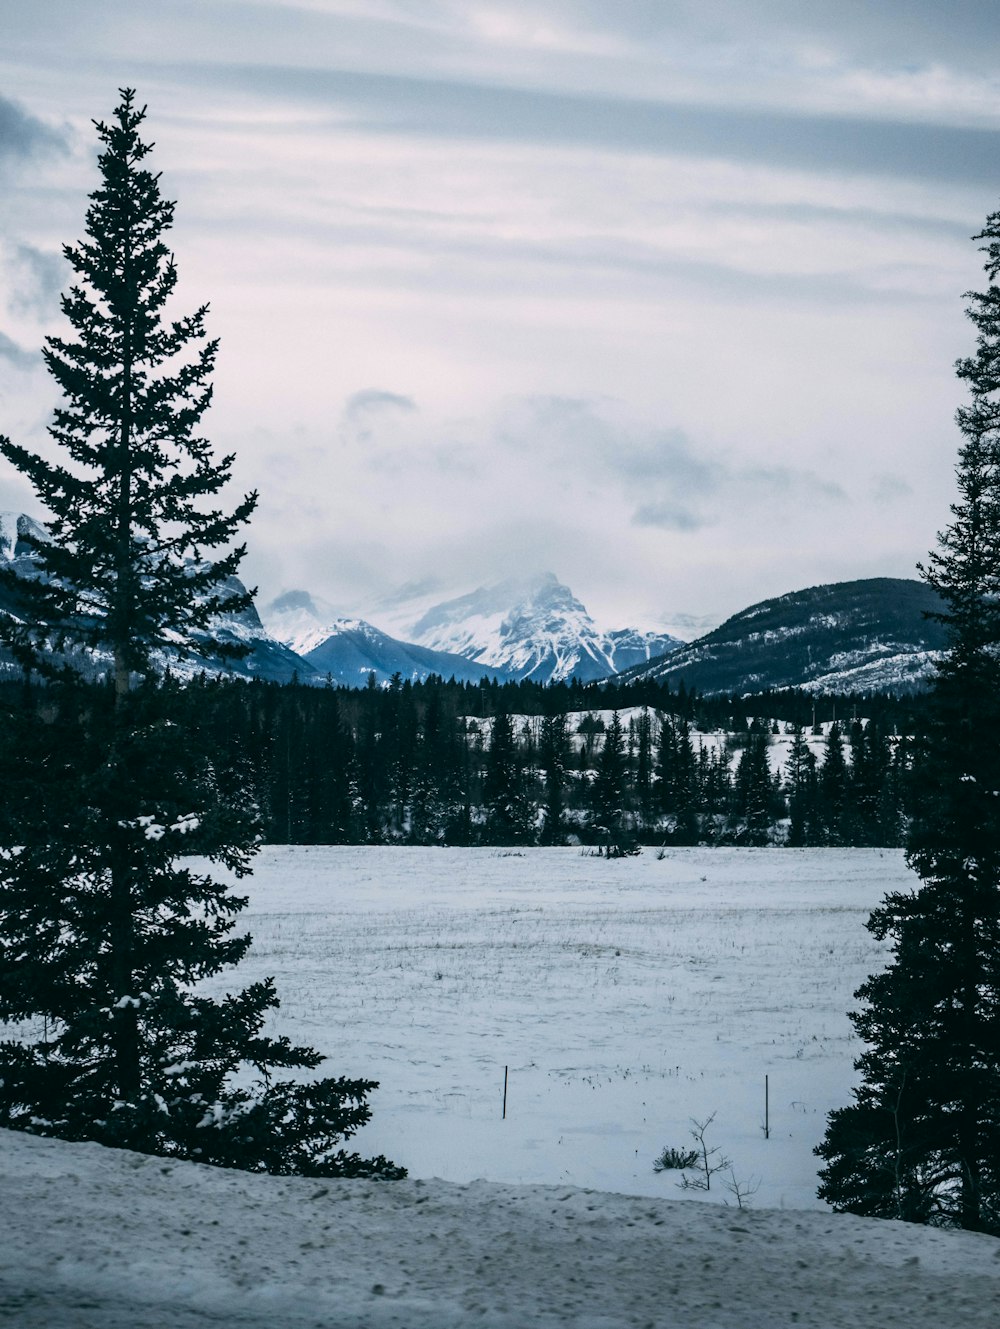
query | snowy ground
(625,997)
(101,1239)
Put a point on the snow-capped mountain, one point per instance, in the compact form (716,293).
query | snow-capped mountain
(348,650)
(854,636)
(533,628)
(267,658)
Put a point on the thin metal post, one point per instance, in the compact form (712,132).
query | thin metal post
(767,1111)
(504,1117)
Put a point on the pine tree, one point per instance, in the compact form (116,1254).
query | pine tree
(124,571)
(922,1139)
(834,787)
(608,791)
(105,929)
(553,754)
(752,791)
(802,791)
(509,813)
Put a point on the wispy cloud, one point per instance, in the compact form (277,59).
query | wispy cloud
(23,135)
(393,104)
(16,355)
(38,276)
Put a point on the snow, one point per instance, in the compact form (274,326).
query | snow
(105,1239)
(626,997)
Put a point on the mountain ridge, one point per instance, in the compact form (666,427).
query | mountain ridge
(872,634)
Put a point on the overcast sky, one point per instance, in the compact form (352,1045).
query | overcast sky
(662,296)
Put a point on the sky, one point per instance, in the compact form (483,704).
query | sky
(663,296)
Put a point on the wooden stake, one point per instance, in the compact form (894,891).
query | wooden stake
(767,1111)
(504,1117)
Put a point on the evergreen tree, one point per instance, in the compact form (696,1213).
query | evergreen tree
(644,768)
(105,928)
(608,790)
(553,754)
(753,790)
(922,1139)
(675,786)
(509,813)
(803,792)
(834,787)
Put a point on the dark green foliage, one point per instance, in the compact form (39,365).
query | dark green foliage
(553,758)
(107,925)
(107,931)
(509,811)
(753,791)
(125,571)
(804,825)
(670,1159)
(922,1139)
(325,765)
(608,791)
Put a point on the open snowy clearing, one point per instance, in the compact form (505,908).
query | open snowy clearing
(95,1238)
(626,997)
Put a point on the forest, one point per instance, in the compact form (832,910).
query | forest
(436,762)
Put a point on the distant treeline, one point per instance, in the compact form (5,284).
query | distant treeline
(500,764)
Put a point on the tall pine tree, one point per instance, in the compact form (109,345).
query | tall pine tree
(922,1139)
(105,929)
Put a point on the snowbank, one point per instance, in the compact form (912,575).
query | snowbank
(103,1239)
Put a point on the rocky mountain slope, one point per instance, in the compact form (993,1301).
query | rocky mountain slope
(853,636)
(350,649)
(531,628)
(267,658)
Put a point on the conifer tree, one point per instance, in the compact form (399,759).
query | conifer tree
(553,754)
(105,929)
(802,791)
(922,1139)
(752,791)
(609,784)
(509,813)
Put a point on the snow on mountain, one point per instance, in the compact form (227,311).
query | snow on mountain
(878,634)
(300,620)
(267,658)
(535,628)
(14,526)
(351,649)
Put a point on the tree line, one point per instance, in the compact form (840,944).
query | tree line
(439,762)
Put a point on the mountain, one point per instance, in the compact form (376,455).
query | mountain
(860,636)
(350,649)
(267,659)
(533,628)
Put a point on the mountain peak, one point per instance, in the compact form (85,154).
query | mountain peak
(533,627)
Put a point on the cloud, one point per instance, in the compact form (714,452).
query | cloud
(393,104)
(890,488)
(373,401)
(16,355)
(668,517)
(39,276)
(23,135)
(368,415)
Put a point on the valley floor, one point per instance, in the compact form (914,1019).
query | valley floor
(625,997)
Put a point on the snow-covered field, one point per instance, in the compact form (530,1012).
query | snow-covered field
(625,996)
